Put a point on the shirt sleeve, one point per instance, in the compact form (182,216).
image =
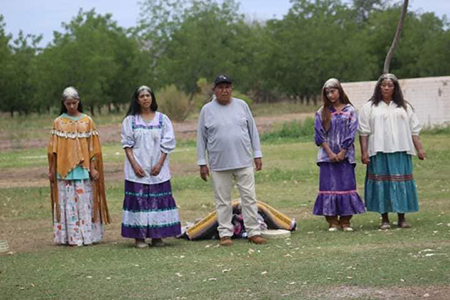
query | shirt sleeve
(349,139)
(319,131)
(413,121)
(168,142)
(201,139)
(253,132)
(127,133)
(364,120)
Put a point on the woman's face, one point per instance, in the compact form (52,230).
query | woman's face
(332,94)
(71,105)
(387,89)
(145,99)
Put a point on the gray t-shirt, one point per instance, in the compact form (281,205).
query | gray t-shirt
(229,134)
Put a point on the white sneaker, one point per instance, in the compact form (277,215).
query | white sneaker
(348,229)
(332,229)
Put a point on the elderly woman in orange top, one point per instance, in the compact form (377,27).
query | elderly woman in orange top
(76,176)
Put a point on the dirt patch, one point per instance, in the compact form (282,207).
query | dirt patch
(36,235)
(111,132)
(397,293)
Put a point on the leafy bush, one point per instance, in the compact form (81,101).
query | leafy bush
(292,130)
(205,94)
(237,94)
(173,103)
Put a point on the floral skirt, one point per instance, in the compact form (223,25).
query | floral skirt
(76,226)
(337,191)
(390,185)
(149,211)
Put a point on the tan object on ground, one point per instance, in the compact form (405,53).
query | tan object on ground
(4,246)
(276,234)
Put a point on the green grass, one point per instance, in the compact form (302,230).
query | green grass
(312,264)
(279,108)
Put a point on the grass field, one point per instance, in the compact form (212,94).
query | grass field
(312,264)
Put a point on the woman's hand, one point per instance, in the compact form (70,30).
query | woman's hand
(95,175)
(333,157)
(421,154)
(156,169)
(365,158)
(51,176)
(341,155)
(138,170)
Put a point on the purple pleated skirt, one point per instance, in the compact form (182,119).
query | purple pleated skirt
(337,191)
(149,211)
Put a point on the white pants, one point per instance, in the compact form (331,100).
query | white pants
(223,184)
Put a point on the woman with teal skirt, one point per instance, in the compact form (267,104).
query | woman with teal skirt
(389,136)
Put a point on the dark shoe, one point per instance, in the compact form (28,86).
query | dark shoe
(257,239)
(158,243)
(226,241)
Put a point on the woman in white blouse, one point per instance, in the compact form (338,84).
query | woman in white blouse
(389,136)
(149,210)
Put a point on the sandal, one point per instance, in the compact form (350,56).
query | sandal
(385,226)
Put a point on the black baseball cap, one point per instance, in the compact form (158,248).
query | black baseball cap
(222,79)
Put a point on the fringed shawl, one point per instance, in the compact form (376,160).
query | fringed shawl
(73,143)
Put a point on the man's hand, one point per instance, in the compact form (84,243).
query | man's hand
(258,164)
(204,172)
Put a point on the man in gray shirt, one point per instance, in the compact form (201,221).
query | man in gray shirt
(227,132)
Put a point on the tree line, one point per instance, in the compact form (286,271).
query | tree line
(180,43)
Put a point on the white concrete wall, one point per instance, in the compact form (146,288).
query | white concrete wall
(429,96)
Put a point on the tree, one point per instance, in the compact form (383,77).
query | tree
(394,45)
(5,70)
(97,57)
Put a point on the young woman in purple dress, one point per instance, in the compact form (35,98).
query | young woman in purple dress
(335,126)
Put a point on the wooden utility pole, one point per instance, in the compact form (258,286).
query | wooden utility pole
(390,54)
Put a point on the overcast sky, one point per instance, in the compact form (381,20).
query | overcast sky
(45,16)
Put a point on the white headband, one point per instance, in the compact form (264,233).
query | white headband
(332,82)
(70,92)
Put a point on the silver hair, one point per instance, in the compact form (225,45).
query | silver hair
(143,87)
(70,92)
(331,83)
(389,76)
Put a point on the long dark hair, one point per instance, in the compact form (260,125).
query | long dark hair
(135,108)
(70,93)
(397,97)
(326,110)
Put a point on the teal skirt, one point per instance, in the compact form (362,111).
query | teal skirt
(390,185)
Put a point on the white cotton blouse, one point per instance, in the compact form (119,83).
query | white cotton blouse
(148,139)
(390,128)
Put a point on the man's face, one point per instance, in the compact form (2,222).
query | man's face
(223,93)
